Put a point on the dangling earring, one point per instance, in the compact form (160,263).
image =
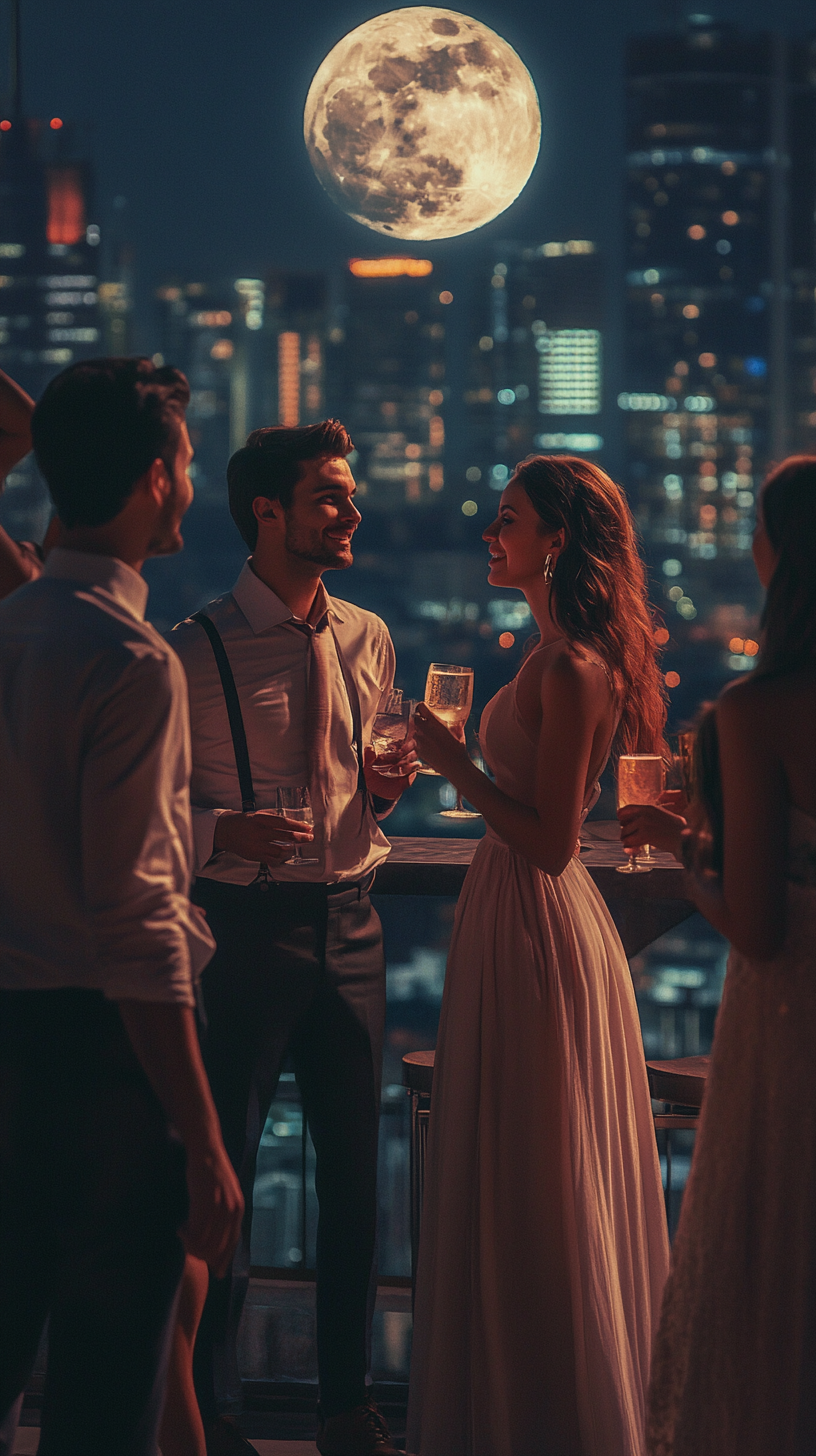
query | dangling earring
(548,571)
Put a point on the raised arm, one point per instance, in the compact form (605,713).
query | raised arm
(15,441)
(574,701)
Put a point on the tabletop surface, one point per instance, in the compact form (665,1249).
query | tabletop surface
(600,846)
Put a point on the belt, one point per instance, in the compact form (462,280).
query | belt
(289,889)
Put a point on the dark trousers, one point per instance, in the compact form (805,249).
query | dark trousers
(299,969)
(92,1192)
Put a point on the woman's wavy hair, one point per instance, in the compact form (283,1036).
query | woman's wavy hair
(598,594)
(788,511)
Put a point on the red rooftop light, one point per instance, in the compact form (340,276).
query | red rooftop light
(5,126)
(56,123)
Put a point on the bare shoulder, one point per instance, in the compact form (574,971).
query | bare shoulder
(571,674)
(759,697)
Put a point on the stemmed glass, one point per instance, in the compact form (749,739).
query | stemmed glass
(390,728)
(295,804)
(685,753)
(640,781)
(449,695)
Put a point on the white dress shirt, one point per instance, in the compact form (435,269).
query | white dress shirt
(95,835)
(269,657)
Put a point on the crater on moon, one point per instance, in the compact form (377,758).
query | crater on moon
(422,123)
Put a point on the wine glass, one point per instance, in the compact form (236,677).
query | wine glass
(685,753)
(449,695)
(390,728)
(640,781)
(295,804)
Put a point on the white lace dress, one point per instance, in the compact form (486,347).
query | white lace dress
(544,1249)
(735,1359)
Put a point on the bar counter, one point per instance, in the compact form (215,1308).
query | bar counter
(643,907)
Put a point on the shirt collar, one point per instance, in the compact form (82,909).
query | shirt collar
(264,609)
(127,588)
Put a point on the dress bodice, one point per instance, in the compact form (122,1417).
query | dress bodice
(510,751)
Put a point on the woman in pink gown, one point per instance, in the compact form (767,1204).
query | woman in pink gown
(735,1359)
(544,1250)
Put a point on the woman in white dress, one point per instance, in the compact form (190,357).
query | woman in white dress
(544,1250)
(735,1360)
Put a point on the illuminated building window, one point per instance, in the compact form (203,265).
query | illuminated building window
(288,379)
(436,432)
(569,372)
(251,291)
(436,476)
(66,205)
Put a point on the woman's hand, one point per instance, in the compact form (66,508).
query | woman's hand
(650,824)
(437,746)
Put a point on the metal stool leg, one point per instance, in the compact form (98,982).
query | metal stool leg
(420,1116)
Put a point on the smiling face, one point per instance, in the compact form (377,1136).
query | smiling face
(519,541)
(322,517)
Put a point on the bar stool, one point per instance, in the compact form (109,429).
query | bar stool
(680,1085)
(417,1076)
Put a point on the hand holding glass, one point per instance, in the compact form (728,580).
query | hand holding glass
(640,781)
(390,729)
(296,804)
(449,695)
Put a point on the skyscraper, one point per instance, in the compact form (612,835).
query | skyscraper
(720,336)
(536,356)
(386,366)
(297,320)
(49,243)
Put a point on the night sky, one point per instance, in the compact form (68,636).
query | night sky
(194,112)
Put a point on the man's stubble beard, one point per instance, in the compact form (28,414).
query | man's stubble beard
(167,539)
(310,547)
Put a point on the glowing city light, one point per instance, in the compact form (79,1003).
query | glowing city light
(390,267)
(55,123)
(506,639)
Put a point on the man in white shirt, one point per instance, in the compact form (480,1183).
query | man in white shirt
(299,963)
(102,1087)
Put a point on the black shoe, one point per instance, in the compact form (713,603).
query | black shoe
(224,1439)
(358,1432)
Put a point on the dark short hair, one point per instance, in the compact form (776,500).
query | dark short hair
(269,464)
(99,426)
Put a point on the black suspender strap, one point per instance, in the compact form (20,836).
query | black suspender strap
(236,718)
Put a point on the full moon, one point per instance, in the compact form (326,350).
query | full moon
(422,123)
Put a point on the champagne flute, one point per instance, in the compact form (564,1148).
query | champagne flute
(449,695)
(685,749)
(295,804)
(640,781)
(390,728)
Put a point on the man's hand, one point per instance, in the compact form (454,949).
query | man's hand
(649,824)
(403,758)
(213,1227)
(165,1040)
(262,837)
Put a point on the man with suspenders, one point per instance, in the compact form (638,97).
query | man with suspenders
(284,682)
